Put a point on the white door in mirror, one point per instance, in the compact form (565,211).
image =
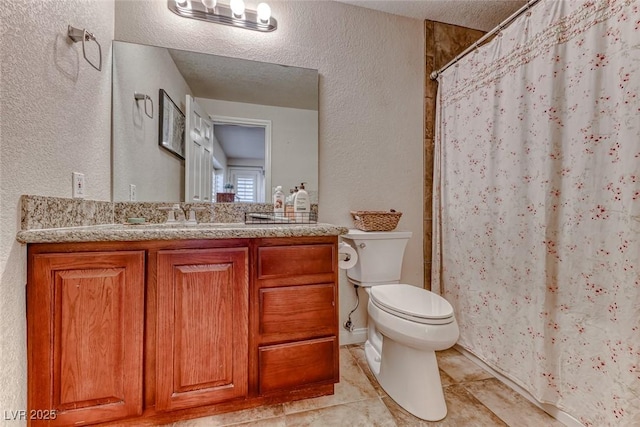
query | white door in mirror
(198,155)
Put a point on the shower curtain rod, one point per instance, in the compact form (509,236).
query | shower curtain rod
(434,75)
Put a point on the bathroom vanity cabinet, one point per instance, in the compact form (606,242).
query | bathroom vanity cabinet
(150,332)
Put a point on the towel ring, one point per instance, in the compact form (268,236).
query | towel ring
(78,35)
(142,96)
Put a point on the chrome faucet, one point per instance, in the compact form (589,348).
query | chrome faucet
(178,214)
(192,220)
(171,213)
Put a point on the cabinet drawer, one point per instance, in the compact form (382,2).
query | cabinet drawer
(297,312)
(296,260)
(300,364)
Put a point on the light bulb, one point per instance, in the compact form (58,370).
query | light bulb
(209,4)
(264,12)
(237,7)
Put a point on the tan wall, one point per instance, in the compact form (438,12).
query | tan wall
(442,43)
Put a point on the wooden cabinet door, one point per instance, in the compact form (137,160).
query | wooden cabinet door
(202,327)
(85,331)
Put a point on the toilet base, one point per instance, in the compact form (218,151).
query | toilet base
(373,358)
(410,377)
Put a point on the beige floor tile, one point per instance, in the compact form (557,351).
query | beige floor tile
(353,386)
(463,410)
(365,413)
(510,406)
(269,422)
(401,417)
(357,351)
(445,379)
(459,368)
(251,415)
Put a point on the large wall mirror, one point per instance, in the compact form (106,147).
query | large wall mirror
(261,120)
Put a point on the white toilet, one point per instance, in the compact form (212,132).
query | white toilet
(407,324)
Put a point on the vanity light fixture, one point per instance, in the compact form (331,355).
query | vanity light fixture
(235,14)
(237,8)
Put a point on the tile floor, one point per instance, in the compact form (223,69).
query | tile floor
(474,398)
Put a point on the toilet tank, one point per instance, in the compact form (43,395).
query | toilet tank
(380,256)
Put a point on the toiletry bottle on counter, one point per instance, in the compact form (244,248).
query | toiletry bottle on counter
(301,204)
(278,202)
(288,203)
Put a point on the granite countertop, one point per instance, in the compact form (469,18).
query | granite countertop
(130,232)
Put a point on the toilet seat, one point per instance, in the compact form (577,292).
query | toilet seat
(412,303)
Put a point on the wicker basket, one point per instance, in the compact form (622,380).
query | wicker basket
(376,220)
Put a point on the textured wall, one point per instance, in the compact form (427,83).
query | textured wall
(442,43)
(135,136)
(55,119)
(371,108)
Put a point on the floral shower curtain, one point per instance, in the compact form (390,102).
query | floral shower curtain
(537,200)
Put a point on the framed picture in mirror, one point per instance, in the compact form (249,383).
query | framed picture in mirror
(172,123)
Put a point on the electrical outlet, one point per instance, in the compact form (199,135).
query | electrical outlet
(132,193)
(78,189)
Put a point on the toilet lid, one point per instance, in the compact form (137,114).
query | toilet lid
(412,303)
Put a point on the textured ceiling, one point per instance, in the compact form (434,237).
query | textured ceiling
(478,14)
(241,80)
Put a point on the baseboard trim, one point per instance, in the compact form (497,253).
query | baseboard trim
(357,336)
(565,418)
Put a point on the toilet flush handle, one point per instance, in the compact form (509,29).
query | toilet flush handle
(362,245)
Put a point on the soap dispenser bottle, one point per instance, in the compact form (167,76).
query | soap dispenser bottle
(301,204)
(288,203)
(278,202)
